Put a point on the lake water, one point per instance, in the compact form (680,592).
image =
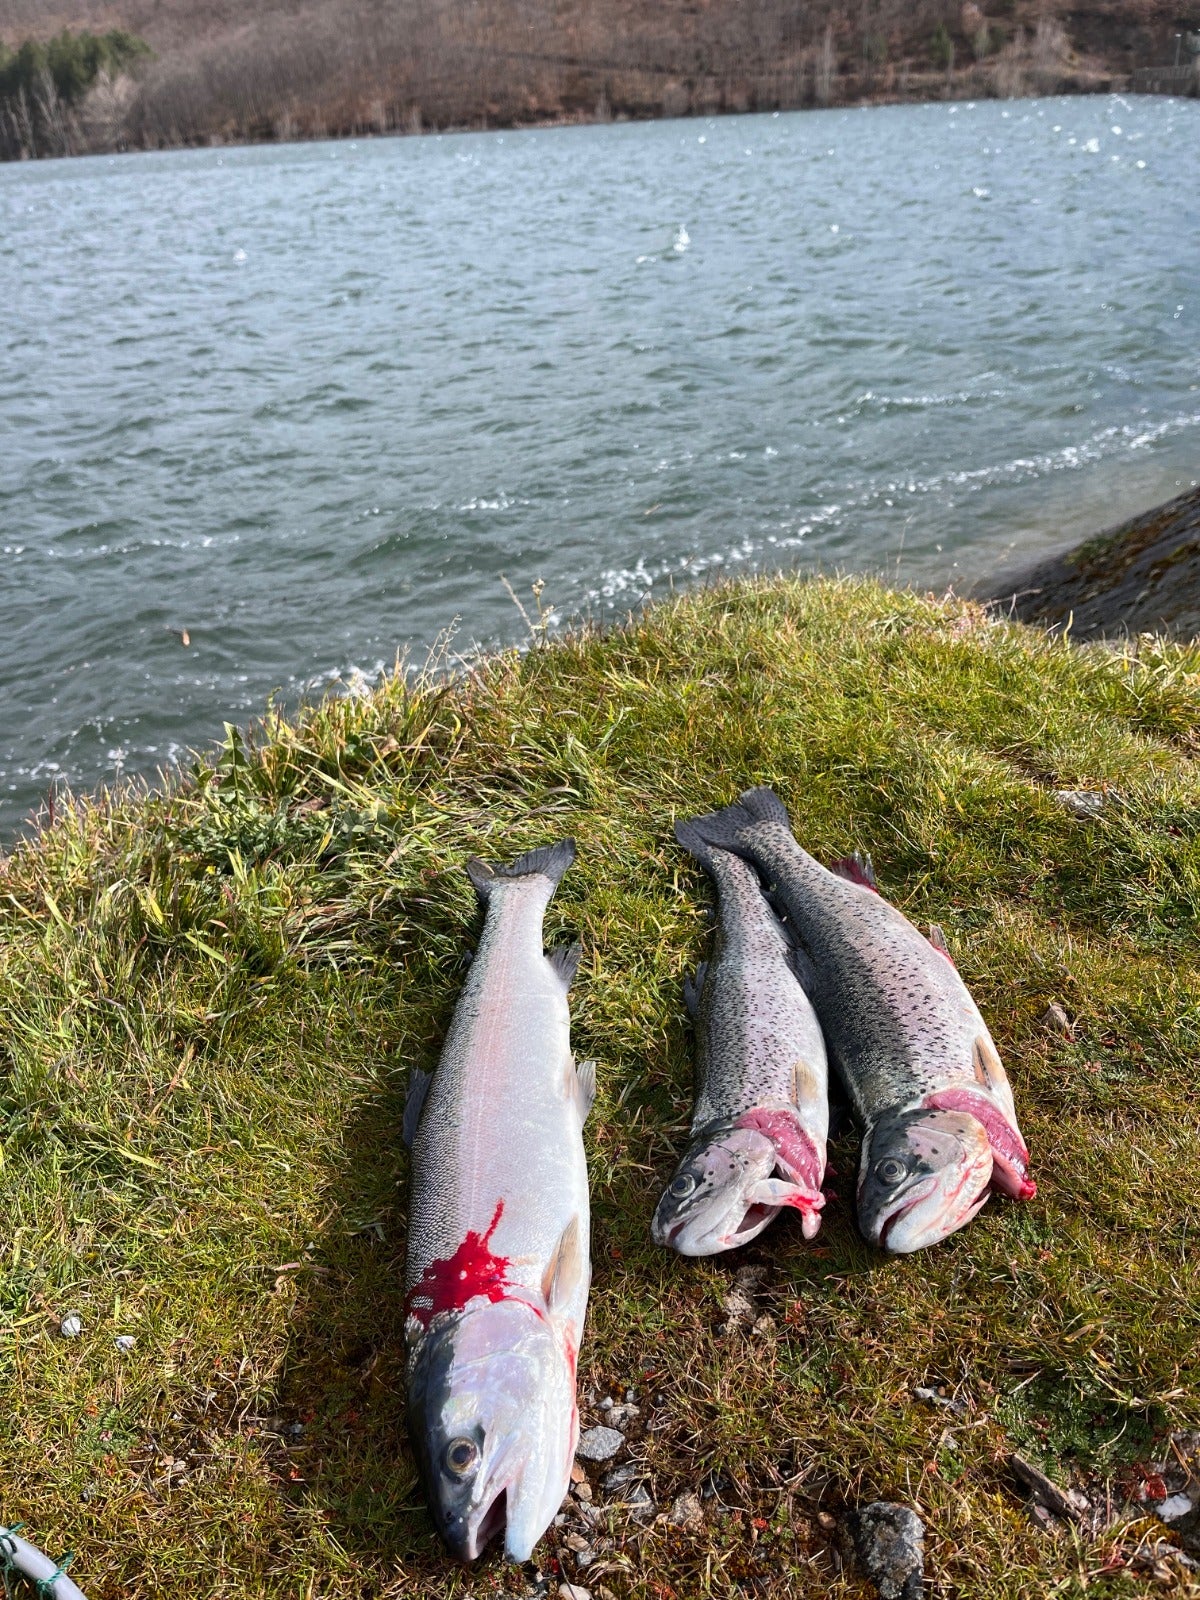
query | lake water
(312,403)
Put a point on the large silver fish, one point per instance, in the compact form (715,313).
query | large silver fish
(940,1126)
(761,1117)
(498,1266)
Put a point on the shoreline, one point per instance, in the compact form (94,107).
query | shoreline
(1141,576)
(969,91)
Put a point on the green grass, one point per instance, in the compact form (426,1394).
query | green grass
(210,1002)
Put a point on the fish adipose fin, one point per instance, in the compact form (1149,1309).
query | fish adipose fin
(692,987)
(418,1088)
(549,861)
(565,1269)
(857,868)
(724,828)
(565,961)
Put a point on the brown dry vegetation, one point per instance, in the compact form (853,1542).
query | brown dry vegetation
(271,70)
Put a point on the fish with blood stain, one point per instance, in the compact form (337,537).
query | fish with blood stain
(472,1271)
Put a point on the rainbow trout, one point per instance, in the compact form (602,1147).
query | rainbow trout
(924,1076)
(498,1268)
(761,1116)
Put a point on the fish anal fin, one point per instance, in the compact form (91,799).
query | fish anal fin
(938,940)
(566,1268)
(414,1104)
(857,868)
(585,1087)
(565,959)
(692,987)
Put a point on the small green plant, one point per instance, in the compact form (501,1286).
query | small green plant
(875,49)
(941,47)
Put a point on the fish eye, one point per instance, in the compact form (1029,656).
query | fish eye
(461,1456)
(683,1185)
(891,1169)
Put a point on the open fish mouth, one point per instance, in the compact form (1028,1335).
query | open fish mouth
(493,1521)
(946,1223)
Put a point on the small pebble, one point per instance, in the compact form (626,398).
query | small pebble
(687,1512)
(124,1341)
(1083,803)
(72,1326)
(1056,1020)
(607,1403)
(1173,1507)
(600,1444)
(573,1591)
(618,1477)
(620,1416)
(890,1540)
(640,1503)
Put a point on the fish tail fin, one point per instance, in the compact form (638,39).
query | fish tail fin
(548,861)
(725,828)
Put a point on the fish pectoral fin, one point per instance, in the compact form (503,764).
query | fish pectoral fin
(565,960)
(692,987)
(585,1087)
(566,1269)
(418,1088)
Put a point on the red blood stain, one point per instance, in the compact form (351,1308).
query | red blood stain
(472,1270)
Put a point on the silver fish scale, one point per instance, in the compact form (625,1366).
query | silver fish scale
(757,1033)
(502,1123)
(897,1016)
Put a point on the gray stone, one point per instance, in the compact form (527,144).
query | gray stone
(72,1326)
(1082,803)
(687,1512)
(890,1541)
(599,1444)
(617,1477)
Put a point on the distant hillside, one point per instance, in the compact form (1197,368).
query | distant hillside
(261,69)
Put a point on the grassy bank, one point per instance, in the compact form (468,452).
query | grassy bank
(304,69)
(211,1003)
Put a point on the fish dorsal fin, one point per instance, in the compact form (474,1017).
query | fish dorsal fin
(857,868)
(565,1269)
(692,987)
(418,1088)
(585,1087)
(938,940)
(565,959)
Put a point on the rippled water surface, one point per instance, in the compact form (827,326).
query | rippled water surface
(310,403)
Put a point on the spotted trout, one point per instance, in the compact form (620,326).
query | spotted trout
(498,1269)
(940,1128)
(761,1115)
